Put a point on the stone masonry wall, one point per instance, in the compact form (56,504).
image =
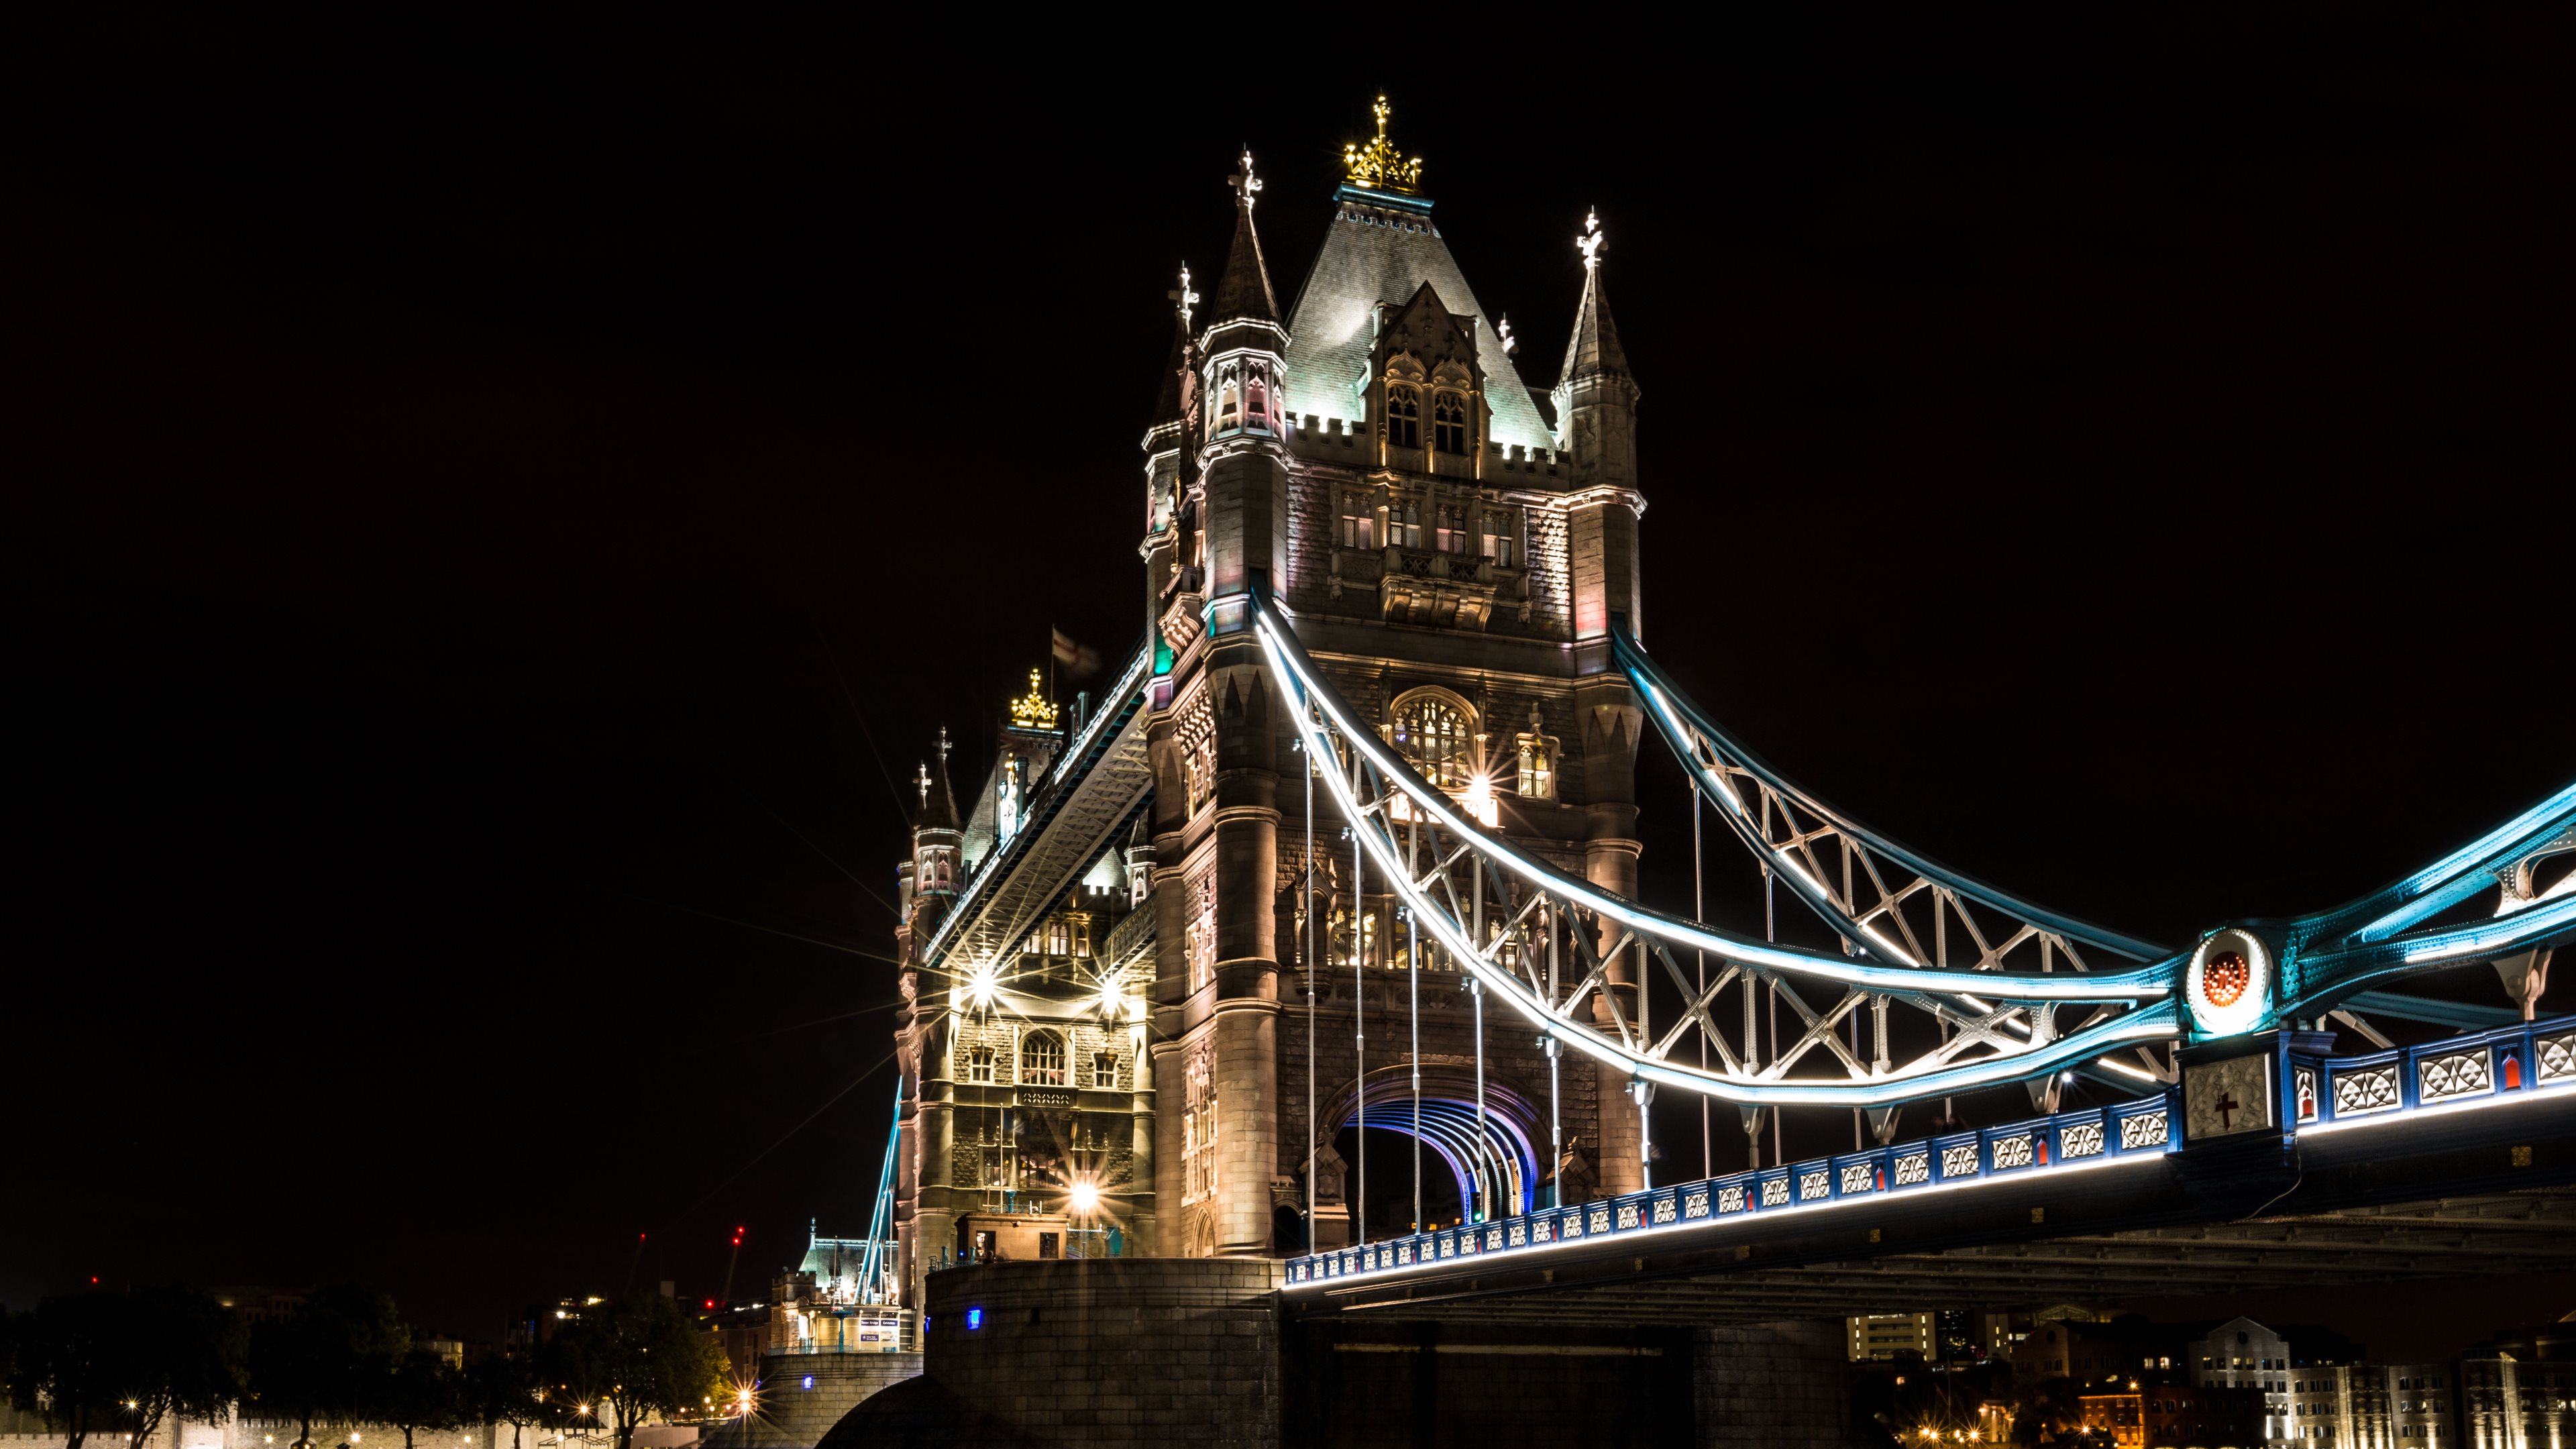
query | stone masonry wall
(1776,1384)
(1111,1351)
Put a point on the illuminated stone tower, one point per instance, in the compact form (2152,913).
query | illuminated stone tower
(1451,546)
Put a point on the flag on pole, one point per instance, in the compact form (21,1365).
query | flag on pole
(1080,661)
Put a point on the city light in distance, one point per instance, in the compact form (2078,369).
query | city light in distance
(1086,1197)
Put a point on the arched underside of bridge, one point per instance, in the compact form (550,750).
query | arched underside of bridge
(2449,1199)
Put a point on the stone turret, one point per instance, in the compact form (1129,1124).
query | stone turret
(1596,402)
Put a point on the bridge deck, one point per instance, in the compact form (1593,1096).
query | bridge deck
(2486,1187)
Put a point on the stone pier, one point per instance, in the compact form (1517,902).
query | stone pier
(1197,1352)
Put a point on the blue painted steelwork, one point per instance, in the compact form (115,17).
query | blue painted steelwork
(1680,721)
(2320,1094)
(2063,1142)
(2330,1093)
(876,1265)
(2457,1015)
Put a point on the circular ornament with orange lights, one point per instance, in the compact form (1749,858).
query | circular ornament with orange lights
(2228,985)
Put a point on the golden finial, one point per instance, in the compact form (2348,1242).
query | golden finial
(1378,166)
(1033,711)
(1590,242)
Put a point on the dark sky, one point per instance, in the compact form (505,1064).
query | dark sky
(485,504)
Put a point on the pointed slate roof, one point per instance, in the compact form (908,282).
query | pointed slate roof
(1167,401)
(1243,290)
(1383,248)
(1593,350)
(939,810)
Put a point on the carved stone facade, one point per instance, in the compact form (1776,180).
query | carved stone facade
(1436,530)
(1451,546)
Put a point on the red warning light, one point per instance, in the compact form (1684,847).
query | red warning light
(93,1280)
(711,1303)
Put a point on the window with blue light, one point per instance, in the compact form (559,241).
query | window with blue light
(974,1319)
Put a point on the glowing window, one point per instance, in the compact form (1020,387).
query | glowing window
(1359,522)
(1354,949)
(1042,1060)
(1494,540)
(1538,768)
(1404,525)
(1434,734)
(1452,536)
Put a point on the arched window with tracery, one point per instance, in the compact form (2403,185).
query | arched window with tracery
(1434,732)
(1256,405)
(1449,423)
(1229,406)
(1403,418)
(1042,1060)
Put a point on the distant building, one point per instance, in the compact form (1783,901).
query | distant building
(2243,1354)
(2506,1402)
(2104,1356)
(1885,1335)
(256,1305)
(2176,1416)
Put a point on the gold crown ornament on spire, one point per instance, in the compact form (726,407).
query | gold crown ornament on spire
(1378,166)
(1033,710)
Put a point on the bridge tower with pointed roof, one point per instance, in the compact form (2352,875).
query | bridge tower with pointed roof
(1451,545)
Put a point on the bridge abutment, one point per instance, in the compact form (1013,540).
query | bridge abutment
(1198,1351)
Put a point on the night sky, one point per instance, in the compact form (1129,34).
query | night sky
(494,518)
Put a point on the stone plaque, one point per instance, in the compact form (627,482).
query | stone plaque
(2222,1099)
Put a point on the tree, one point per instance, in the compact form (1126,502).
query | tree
(125,1362)
(506,1389)
(641,1358)
(331,1356)
(422,1393)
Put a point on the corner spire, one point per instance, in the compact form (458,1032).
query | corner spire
(1593,350)
(1169,406)
(1243,290)
(938,802)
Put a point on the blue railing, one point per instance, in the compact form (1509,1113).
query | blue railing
(2065,1141)
(2319,1093)
(2324,1092)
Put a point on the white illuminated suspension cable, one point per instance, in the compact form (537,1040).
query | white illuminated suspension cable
(1413,1006)
(1314,979)
(2156,1020)
(1699,909)
(1359,1005)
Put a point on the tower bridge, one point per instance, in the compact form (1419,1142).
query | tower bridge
(1350,842)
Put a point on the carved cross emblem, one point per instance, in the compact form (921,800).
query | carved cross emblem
(1590,242)
(1184,297)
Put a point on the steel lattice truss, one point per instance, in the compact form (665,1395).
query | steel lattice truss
(1557,949)
(1976,971)
(1881,898)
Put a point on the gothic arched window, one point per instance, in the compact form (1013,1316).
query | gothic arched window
(979,1064)
(1434,733)
(1229,406)
(1256,405)
(1042,1060)
(1403,418)
(1449,423)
